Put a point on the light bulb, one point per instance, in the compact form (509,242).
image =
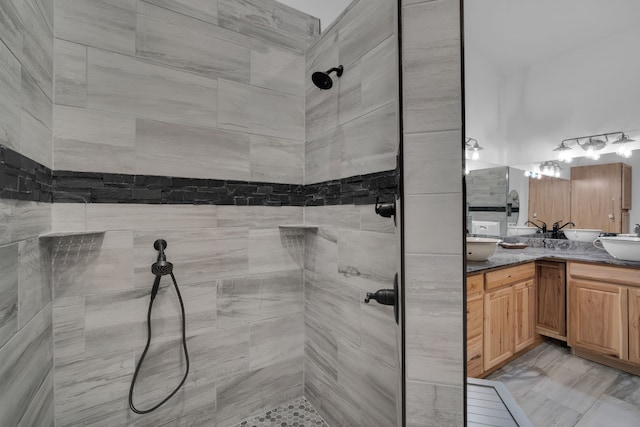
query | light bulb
(527,174)
(557,174)
(564,156)
(475,155)
(539,176)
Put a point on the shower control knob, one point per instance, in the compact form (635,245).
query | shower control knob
(386,210)
(383,296)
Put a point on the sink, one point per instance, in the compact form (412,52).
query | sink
(481,248)
(621,247)
(582,234)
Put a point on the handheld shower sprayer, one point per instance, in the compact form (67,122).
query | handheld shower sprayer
(160,268)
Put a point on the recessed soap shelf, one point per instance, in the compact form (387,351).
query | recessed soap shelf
(55,234)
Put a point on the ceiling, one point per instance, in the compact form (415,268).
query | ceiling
(518,33)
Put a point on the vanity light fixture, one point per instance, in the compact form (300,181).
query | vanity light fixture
(623,149)
(594,143)
(564,155)
(472,145)
(550,168)
(533,175)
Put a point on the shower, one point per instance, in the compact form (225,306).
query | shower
(323,80)
(160,268)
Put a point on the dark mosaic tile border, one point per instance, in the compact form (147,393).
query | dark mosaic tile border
(25,179)
(22,178)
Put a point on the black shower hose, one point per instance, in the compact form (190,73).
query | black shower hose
(146,348)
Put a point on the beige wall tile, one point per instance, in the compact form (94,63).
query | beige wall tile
(433,162)
(34,278)
(70,73)
(366,259)
(68,216)
(364,27)
(276,340)
(93,141)
(108,25)
(206,10)
(258,216)
(122,84)
(434,403)
(277,69)
(201,152)
(198,254)
(434,220)
(180,41)
(35,101)
(270,250)
(35,139)
(8,292)
(267,20)
(10,81)
(432,54)
(37,45)
(435,285)
(149,217)
(27,359)
(277,160)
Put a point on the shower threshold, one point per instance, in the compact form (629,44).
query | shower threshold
(297,413)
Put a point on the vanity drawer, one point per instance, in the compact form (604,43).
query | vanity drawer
(475,284)
(506,276)
(605,273)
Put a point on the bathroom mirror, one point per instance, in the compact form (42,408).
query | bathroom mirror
(525,94)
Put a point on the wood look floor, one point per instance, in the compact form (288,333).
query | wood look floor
(556,388)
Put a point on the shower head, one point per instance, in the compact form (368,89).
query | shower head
(161,267)
(323,80)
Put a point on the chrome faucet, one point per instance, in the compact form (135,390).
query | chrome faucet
(557,227)
(542,229)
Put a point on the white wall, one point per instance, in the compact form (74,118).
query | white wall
(587,91)
(484,107)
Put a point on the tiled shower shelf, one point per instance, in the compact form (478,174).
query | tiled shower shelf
(54,234)
(299,226)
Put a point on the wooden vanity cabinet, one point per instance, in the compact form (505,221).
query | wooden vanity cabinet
(525,314)
(509,313)
(634,326)
(475,314)
(499,327)
(601,197)
(551,313)
(599,309)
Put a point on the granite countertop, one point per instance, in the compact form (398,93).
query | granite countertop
(559,249)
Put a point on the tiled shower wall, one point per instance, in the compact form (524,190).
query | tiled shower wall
(193,89)
(26,340)
(351,358)
(241,280)
(433,178)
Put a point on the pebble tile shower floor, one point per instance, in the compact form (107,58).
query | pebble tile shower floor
(298,413)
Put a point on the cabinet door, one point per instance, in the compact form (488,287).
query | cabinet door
(551,302)
(474,336)
(596,197)
(634,325)
(498,327)
(598,317)
(525,314)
